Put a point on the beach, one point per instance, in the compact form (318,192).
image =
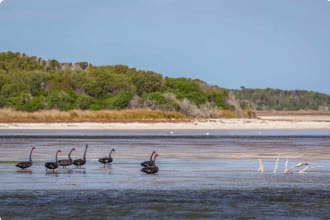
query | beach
(267,122)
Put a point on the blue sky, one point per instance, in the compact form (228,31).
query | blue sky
(231,43)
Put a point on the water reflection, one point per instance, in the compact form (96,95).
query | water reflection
(200,177)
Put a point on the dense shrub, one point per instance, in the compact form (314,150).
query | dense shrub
(30,84)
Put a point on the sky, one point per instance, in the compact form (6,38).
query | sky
(282,44)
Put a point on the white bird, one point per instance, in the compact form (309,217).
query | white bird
(261,166)
(286,170)
(303,170)
(291,170)
(276,164)
(301,164)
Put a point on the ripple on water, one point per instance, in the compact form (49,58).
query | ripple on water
(200,177)
(181,204)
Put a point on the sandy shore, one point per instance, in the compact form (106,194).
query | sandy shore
(262,123)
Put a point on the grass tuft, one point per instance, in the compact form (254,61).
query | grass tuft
(8,115)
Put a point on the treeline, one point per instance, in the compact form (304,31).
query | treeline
(275,99)
(31,84)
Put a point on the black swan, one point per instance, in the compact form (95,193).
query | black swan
(107,160)
(52,165)
(66,162)
(80,162)
(149,162)
(26,164)
(151,169)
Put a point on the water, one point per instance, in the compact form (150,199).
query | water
(202,175)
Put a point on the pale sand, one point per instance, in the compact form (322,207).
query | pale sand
(266,123)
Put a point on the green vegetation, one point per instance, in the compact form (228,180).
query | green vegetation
(33,84)
(275,99)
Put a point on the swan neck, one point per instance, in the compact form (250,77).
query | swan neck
(70,154)
(85,152)
(110,153)
(56,157)
(30,157)
(152,154)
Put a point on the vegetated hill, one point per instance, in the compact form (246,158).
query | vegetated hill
(275,99)
(30,83)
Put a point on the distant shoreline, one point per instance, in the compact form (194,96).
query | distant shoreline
(264,121)
(212,124)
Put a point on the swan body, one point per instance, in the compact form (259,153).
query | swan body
(52,165)
(80,162)
(66,162)
(149,162)
(151,169)
(107,160)
(26,164)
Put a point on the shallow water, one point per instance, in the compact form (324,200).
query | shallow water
(202,175)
